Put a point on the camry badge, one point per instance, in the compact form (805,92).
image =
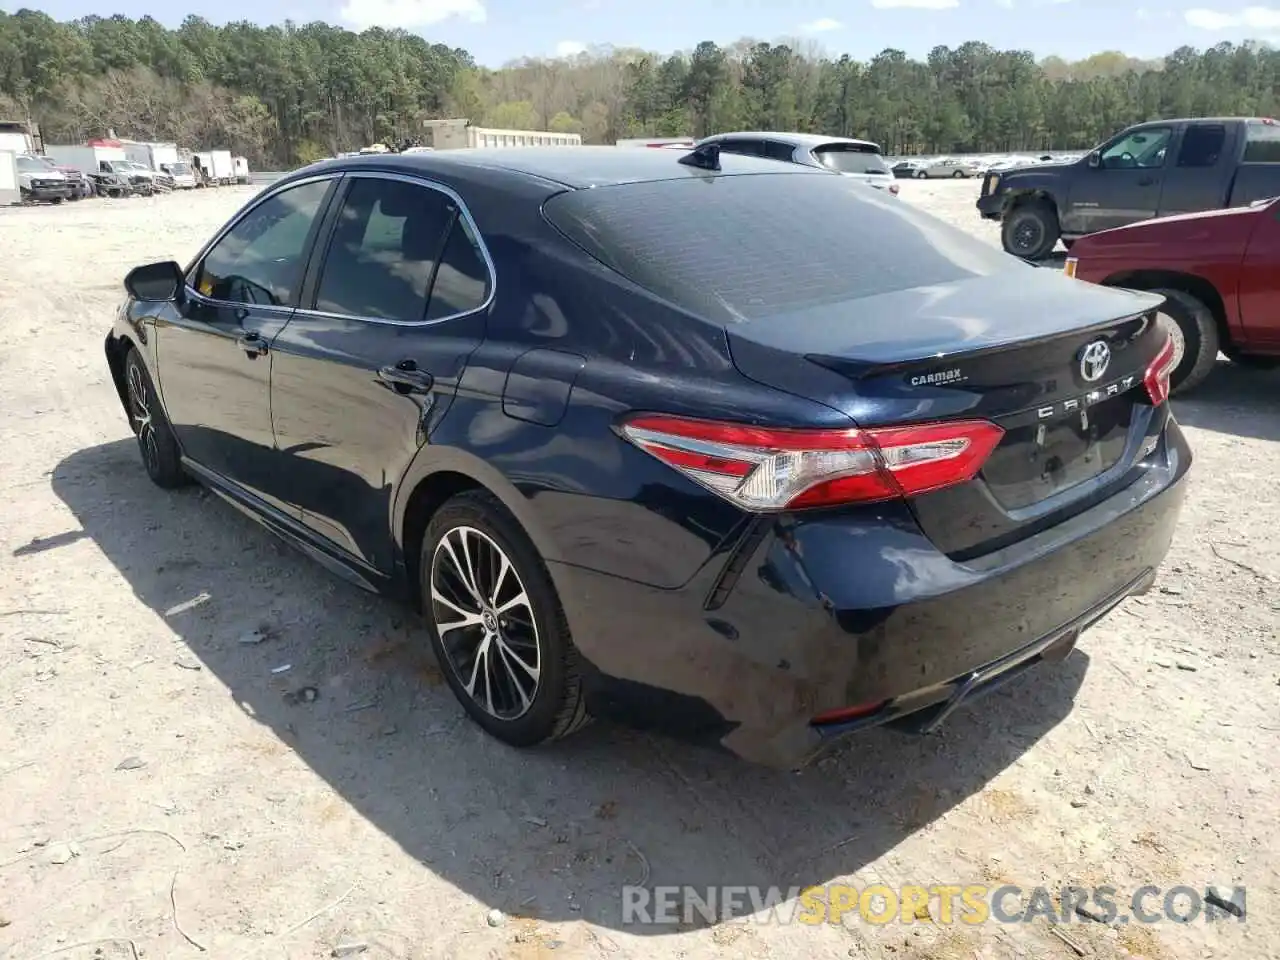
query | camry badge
(1094,360)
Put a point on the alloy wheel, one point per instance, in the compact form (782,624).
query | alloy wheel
(144,424)
(485,621)
(1176,337)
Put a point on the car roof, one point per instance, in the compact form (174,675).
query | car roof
(795,139)
(574,167)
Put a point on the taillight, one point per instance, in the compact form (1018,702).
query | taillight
(767,469)
(893,188)
(1158,372)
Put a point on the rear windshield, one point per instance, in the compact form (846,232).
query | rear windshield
(1262,142)
(736,249)
(851,158)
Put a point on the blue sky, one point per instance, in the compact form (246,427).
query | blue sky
(498,30)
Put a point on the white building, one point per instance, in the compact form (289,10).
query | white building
(459,133)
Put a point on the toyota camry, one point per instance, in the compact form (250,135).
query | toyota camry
(734,450)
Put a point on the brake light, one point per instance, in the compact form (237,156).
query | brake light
(767,469)
(1158,372)
(893,188)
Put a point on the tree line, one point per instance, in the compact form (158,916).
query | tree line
(287,94)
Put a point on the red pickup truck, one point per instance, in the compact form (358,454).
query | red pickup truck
(1218,271)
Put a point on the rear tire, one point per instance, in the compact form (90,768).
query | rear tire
(958,175)
(161,455)
(1192,324)
(1030,230)
(921,175)
(505,649)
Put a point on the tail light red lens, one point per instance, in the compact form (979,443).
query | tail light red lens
(767,469)
(1158,372)
(893,188)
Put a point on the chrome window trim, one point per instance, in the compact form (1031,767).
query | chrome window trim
(463,211)
(234,222)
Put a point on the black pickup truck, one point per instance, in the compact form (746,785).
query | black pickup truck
(1152,169)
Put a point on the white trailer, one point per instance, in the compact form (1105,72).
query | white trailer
(224,170)
(9,191)
(153,156)
(84,158)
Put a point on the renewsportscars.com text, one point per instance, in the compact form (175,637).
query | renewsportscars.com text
(970,904)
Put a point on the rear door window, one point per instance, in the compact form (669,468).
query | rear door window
(462,281)
(743,147)
(1202,145)
(384,250)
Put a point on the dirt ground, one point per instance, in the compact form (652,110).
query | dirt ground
(164,789)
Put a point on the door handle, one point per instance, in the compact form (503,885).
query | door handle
(405,377)
(252,343)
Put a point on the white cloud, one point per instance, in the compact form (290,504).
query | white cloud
(915,4)
(570,48)
(410,13)
(1251,18)
(825,25)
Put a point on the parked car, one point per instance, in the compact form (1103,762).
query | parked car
(949,168)
(858,159)
(40,181)
(656,436)
(1147,170)
(906,169)
(183,176)
(1217,272)
(78,185)
(126,178)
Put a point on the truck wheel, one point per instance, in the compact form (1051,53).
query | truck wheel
(1195,338)
(1030,231)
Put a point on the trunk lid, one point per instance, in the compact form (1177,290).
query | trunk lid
(1057,363)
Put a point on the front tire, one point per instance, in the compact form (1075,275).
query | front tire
(1030,231)
(958,175)
(496,624)
(1195,338)
(156,441)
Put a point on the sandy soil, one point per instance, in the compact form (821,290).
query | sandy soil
(156,774)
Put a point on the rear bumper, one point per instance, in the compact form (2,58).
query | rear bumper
(800,616)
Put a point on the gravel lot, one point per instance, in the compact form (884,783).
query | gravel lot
(159,785)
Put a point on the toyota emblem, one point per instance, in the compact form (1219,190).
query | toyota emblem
(1094,360)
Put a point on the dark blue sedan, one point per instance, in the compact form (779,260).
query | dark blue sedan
(732,449)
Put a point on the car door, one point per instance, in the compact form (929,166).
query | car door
(369,364)
(1259,284)
(1195,180)
(1125,185)
(214,348)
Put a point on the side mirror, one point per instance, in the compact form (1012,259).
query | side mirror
(1095,160)
(155,282)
